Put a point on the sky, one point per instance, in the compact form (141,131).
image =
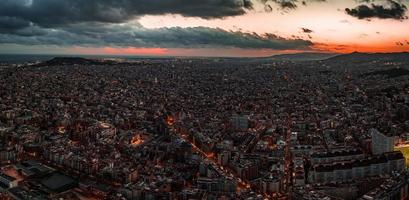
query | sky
(239,28)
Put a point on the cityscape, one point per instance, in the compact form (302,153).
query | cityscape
(97,103)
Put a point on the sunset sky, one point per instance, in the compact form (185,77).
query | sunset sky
(202,27)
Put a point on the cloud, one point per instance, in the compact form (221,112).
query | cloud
(126,35)
(12,23)
(59,13)
(304,3)
(393,10)
(288,4)
(268,8)
(102,23)
(399,43)
(48,13)
(306,30)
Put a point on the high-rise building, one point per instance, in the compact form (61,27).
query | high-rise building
(223,158)
(240,122)
(381,143)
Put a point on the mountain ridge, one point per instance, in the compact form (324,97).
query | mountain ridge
(368,57)
(306,56)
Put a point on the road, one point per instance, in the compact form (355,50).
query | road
(288,158)
(226,172)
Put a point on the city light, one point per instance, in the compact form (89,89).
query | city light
(170,120)
(136,140)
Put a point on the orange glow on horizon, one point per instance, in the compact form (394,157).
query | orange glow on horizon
(134,51)
(119,51)
(236,52)
(205,52)
(349,48)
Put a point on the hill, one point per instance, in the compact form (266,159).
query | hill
(357,57)
(69,61)
(303,56)
(74,61)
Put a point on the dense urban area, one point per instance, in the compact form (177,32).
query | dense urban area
(211,128)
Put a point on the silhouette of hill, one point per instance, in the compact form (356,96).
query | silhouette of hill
(58,61)
(303,56)
(358,57)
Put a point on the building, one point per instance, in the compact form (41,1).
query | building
(302,193)
(8,180)
(240,122)
(246,170)
(58,183)
(272,183)
(386,163)
(404,149)
(223,158)
(395,187)
(299,172)
(381,143)
(217,184)
(303,150)
(20,193)
(336,155)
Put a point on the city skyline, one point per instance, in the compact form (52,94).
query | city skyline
(250,28)
(204,99)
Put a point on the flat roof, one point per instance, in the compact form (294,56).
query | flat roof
(58,182)
(7,177)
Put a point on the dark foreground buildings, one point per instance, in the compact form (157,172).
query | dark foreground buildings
(204,129)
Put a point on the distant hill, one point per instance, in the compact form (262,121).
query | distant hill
(73,61)
(22,58)
(303,56)
(69,61)
(357,57)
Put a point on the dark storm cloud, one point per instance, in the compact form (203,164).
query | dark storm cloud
(50,13)
(305,2)
(393,10)
(56,13)
(288,4)
(100,23)
(13,25)
(99,35)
